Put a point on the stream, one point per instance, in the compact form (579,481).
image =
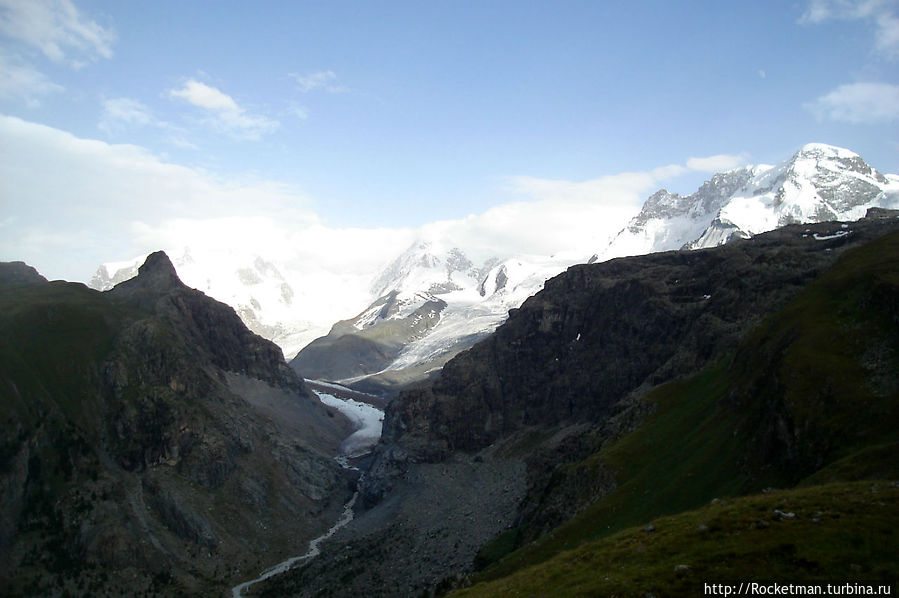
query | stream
(367,420)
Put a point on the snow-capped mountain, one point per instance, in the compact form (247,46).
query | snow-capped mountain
(818,183)
(433,301)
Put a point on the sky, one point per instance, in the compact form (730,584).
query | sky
(340,131)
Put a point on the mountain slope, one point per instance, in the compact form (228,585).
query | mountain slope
(152,444)
(802,539)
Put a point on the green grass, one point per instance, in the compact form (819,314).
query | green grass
(841,532)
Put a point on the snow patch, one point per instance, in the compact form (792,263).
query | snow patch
(836,235)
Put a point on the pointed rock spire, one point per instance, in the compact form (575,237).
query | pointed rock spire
(156,275)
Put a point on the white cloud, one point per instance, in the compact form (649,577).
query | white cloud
(320,81)
(859,103)
(615,189)
(21,81)
(563,217)
(884,14)
(204,96)
(222,111)
(579,217)
(627,188)
(56,28)
(114,201)
(298,111)
(718,163)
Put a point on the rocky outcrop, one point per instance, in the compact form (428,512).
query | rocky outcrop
(211,328)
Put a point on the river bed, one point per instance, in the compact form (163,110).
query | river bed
(367,420)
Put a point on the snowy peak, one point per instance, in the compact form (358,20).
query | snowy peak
(840,178)
(710,197)
(433,301)
(427,267)
(818,183)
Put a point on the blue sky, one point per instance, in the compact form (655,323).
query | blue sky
(398,114)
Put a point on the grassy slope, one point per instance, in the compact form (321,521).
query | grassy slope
(841,532)
(828,363)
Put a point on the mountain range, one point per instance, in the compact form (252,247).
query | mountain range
(433,301)
(439,297)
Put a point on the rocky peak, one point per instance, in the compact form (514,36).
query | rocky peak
(709,198)
(158,272)
(156,277)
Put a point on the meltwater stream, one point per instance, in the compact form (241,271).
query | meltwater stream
(367,420)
